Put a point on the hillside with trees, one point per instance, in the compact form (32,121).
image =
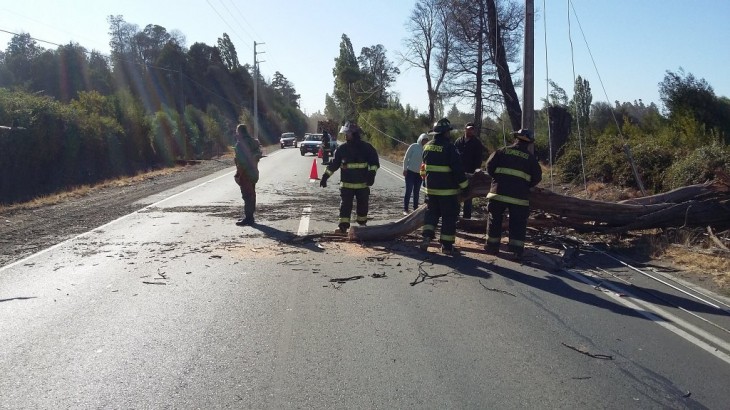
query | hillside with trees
(72,117)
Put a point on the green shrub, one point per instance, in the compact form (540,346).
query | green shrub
(697,167)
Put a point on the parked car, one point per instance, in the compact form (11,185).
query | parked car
(288,139)
(311,144)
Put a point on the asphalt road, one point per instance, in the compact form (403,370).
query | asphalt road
(176,307)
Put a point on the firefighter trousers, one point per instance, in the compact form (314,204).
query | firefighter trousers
(446,208)
(517,225)
(362,196)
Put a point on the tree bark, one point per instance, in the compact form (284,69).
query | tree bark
(699,205)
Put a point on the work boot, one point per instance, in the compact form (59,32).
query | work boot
(491,250)
(342,229)
(245,221)
(449,250)
(424,243)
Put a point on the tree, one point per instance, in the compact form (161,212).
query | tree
(347,73)
(378,74)
(582,99)
(486,32)
(684,95)
(285,89)
(428,47)
(228,52)
(19,56)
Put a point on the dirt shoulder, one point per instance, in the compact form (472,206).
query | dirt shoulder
(32,227)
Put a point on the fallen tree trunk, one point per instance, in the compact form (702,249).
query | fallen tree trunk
(692,206)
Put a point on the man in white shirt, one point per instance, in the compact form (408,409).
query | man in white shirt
(411,171)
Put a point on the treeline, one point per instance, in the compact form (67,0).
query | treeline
(72,117)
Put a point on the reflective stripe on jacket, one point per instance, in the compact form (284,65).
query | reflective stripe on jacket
(442,169)
(514,171)
(358,162)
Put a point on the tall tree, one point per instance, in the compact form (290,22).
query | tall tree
(285,89)
(347,74)
(685,95)
(488,37)
(428,47)
(228,52)
(582,100)
(377,74)
(19,56)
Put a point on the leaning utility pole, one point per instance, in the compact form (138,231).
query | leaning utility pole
(255,89)
(528,87)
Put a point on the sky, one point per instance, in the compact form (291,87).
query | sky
(622,47)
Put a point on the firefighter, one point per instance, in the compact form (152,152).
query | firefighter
(444,177)
(514,170)
(359,162)
(326,147)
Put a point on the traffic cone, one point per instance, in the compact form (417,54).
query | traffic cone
(313,173)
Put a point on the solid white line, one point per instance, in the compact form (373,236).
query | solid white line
(662,318)
(58,245)
(304,222)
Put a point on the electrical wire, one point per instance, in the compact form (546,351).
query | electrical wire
(575,104)
(547,93)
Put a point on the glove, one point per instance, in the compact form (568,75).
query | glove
(323,183)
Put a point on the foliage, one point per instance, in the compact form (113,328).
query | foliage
(699,166)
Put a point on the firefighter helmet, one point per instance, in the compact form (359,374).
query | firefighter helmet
(441,126)
(524,134)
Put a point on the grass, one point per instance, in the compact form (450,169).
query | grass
(83,190)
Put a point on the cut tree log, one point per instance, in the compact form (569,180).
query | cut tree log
(698,205)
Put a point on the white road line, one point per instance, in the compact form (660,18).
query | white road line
(663,318)
(395,174)
(304,222)
(81,235)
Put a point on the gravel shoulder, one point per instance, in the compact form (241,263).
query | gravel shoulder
(25,230)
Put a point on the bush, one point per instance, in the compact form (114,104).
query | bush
(697,167)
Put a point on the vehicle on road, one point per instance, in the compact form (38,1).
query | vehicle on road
(311,144)
(288,139)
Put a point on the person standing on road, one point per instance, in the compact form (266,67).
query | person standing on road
(411,171)
(248,153)
(514,170)
(359,162)
(472,153)
(445,178)
(326,147)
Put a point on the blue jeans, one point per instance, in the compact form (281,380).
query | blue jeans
(413,186)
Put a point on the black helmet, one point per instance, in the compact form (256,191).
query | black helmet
(441,126)
(524,134)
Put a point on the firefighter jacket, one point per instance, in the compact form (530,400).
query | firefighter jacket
(441,168)
(514,171)
(359,162)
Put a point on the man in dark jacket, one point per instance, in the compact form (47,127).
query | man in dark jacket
(359,162)
(514,170)
(248,154)
(472,153)
(445,178)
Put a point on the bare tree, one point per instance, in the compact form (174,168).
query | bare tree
(487,37)
(429,46)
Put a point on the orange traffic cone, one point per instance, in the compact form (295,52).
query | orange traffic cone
(313,173)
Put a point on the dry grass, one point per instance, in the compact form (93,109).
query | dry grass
(81,191)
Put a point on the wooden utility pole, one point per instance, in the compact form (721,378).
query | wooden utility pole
(528,87)
(255,89)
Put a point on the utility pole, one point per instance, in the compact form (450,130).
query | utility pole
(255,89)
(528,88)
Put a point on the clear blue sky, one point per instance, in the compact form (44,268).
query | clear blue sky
(633,42)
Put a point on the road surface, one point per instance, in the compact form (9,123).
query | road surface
(174,306)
